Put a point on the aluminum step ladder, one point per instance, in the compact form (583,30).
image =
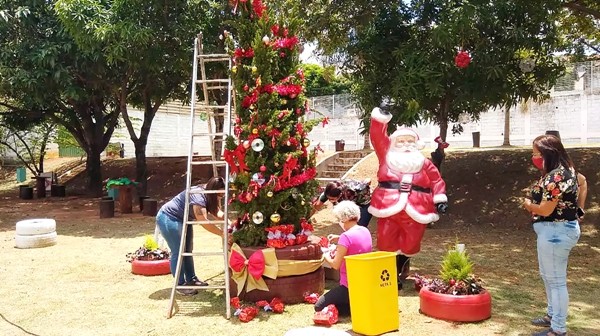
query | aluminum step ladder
(215,139)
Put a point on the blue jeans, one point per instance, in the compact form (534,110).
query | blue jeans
(365,216)
(554,242)
(171,230)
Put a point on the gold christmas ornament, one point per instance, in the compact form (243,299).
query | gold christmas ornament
(270,194)
(254,69)
(255,131)
(305,142)
(234,69)
(275,218)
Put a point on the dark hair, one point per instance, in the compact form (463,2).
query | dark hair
(212,203)
(553,152)
(333,189)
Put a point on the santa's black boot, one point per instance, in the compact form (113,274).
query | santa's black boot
(403,268)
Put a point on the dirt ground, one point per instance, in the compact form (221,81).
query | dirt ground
(82,286)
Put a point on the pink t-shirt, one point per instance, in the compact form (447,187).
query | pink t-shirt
(357,240)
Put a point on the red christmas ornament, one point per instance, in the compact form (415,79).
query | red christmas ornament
(462,59)
(263,169)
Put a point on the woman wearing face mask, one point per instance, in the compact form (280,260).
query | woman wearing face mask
(348,190)
(354,240)
(553,205)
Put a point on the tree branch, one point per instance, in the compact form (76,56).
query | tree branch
(577,8)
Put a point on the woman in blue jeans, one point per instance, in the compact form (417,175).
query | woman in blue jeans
(170,222)
(553,205)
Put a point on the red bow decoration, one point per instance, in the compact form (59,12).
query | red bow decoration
(261,262)
(311,298)
(235,159)
(255,264)
(328,316)
(441,143)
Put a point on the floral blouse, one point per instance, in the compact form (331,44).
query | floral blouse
(559,184)
(352,190)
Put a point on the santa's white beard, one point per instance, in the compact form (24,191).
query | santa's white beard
(401,161)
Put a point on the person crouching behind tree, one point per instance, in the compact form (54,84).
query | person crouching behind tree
(355,239)
(348,190)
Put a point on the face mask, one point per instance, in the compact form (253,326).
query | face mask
(538,162)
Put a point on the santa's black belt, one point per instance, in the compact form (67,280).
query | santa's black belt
(403,186)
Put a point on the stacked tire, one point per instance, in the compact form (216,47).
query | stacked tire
(34,233)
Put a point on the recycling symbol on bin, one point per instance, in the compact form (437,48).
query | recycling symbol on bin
(385,275)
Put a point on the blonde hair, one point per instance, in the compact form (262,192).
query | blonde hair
(346,211)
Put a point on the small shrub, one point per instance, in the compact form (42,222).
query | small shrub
(456,276)
(149,251)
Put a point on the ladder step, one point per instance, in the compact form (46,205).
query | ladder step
(204,191)
(211,107)
(216,163)
(202,287)
(202,81)
(217,87)
(224,59)
(215,134)
(214,56)
(205,222)
(202,254)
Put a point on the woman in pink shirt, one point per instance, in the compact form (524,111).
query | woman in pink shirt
(355,239)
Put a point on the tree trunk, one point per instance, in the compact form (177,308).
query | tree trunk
(366,141)
(141,166)
(506,141)
(438,156)
(94,170)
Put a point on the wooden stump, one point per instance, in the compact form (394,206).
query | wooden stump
(57,190)
(149,207)
(107,208)
(40,187)
(141,202)
(25,192)
(125,199)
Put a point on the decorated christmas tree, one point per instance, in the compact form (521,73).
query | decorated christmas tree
(272,169)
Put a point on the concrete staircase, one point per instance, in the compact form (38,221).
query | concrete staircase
(334,167)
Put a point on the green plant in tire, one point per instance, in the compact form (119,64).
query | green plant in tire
(456,276)
(149,251)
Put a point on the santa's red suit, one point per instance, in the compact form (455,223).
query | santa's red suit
(405,199)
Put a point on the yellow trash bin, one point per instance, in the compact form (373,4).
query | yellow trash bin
(373,288)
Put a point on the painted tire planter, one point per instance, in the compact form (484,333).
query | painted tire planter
(151,267)
(458,308)
(290,289)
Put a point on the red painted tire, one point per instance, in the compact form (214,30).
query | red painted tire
(151,267)
(458,308)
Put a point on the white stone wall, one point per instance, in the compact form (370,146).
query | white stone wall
(575,114)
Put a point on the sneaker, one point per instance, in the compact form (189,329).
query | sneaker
(543,321)
(187,292)
(549,332)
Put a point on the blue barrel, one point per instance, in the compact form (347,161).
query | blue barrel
(114,193)
(21,174)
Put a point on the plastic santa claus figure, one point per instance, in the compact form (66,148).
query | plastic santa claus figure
(410,193)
